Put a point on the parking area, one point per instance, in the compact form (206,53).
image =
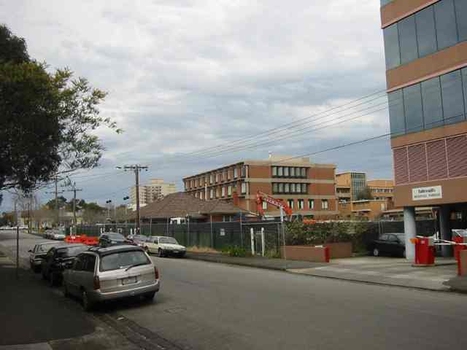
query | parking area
(387,270)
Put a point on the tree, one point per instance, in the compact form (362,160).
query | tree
(47,119)
(62,203)
(365,193)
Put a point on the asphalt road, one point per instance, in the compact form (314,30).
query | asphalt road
(213,306)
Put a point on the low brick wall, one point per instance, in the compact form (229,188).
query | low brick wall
(339,250)
(306,253)
(462,263)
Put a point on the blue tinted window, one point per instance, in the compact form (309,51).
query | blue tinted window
(461,16)
(391,47)
(407,39)
(396,113)
(445,24)
(464,84)
(432,106)
(385,2)
(413,108)
(453,98)
(426,33)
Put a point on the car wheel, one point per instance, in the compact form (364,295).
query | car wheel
(149,296)
(52,280)
(375,252)
(160,253)
(87,304)
(181,255)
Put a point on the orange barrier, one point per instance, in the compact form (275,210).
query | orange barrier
(82,239)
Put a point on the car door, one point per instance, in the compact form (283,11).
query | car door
(73,275)
(392,245)
(48,261)
(152,244)
(88,272)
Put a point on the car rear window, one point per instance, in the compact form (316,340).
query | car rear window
(71,251)
(116,236)
(120,260)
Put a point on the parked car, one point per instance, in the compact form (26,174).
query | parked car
(38,253)
(58,259)
(58,236)
(139,240)
(112,238)
(164,246)
(109,273)
(389,244)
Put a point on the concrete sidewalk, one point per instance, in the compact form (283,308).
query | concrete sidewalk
(374,270)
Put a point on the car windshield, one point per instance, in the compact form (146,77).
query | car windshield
(116,237)
(43,248)
(120,260)
(169,240)
(68,252)
(140,238)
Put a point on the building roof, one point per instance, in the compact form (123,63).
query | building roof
(181,204)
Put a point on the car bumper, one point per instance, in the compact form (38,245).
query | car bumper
(97,295)
(36,262)
(174,252)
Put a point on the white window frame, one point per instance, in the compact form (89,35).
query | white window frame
(223,191)
(312,202)
(290,203)
(324,204)
(211,193)
(265,205)
(300,203)
(274,171)
(229,190)
(235,172)
(243,187)
(286,171)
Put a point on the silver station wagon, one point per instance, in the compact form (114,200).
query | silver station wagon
(110,273)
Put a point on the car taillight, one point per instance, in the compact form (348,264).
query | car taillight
(156,273)
(97,283)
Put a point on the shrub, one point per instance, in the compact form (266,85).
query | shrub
(235,251)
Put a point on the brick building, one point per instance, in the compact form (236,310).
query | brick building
(426,73)
(307,187)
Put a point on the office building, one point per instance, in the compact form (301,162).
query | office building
(154,190)
(426,73)
(308,188)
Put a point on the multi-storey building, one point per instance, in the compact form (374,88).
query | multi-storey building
(426,61)
(154,190)
(308,188)
(348,187)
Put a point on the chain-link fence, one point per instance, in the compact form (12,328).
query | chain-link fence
(221,235)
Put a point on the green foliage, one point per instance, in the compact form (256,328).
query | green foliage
(298,233)
(47,120)
(235,251)
(364,194)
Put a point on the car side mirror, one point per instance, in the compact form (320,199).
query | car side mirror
(29,251)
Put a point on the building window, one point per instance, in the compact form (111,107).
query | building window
(300,204)
(196,194)
(217,177)
(292,172)
(432,29)
(229,190)
(275,188)
(280,171)
(286,171)
(243,188)
(290,203)
(274,171)
(292,188)
(210,178)
(265,205)
(304,188)
(218,192)
(235,172)
(324,204)
(311,204)
(281,188)
(303,172)
(286,188)
(211,193)
(429,104)
(201,195)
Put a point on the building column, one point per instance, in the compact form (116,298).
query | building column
(410,229)
(445,229)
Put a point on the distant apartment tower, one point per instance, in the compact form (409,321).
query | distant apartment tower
(308,188)
(154,190)
(426,76)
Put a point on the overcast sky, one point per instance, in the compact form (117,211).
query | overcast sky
(184,76)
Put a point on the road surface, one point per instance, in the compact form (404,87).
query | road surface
(213,306)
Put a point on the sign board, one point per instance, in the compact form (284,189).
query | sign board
(426,193)
(222,232)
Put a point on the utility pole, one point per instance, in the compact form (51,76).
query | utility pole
(74,190)
(56,192)
(136,168)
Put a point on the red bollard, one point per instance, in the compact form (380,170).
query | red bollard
(424,251)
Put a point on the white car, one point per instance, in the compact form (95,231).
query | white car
(164,246)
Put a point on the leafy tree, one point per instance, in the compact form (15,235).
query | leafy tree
(62,203)
(47,119)
(364,194)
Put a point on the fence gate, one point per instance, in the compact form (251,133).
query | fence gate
(257,241)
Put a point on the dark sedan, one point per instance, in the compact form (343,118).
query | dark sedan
(389,244)
(112,238)
(38,253)
(58,259)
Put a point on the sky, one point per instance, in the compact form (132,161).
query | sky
(196,85)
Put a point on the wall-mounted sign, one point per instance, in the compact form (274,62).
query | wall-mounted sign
(425,193)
